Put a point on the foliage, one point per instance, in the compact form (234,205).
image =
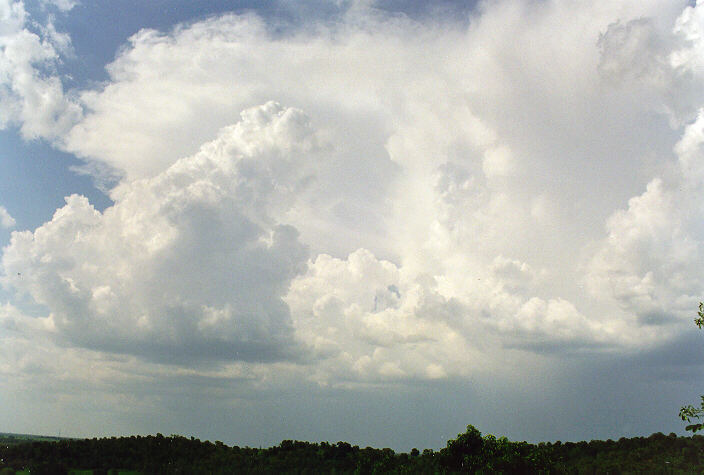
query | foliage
(699,321)
(690,413)
(470,452)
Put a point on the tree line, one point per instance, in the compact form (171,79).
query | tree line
(470,452)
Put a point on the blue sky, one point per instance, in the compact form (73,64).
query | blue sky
(367,221)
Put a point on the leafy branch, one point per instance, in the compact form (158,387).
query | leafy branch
(690,413)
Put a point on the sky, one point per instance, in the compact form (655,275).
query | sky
(357,220)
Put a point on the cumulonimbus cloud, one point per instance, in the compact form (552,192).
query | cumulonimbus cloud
(424,197)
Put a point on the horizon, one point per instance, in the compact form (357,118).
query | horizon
(39,437)
(372,221)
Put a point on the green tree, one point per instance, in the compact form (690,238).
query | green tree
(691,413)
(465,452)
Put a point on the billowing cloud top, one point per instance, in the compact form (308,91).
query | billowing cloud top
(377,199)
(187,264)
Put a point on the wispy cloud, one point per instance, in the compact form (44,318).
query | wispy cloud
(6,221)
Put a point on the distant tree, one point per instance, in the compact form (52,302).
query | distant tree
(464,453)
(690,413)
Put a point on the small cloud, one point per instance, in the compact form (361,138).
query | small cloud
(63,5)
(6,221)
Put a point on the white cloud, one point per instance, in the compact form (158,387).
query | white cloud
(368,321)
(634,51)
(651,63)
(690,28)
(63,5)
(186,265)
(31,96)
(650,263)
(6,220)
(453,189)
